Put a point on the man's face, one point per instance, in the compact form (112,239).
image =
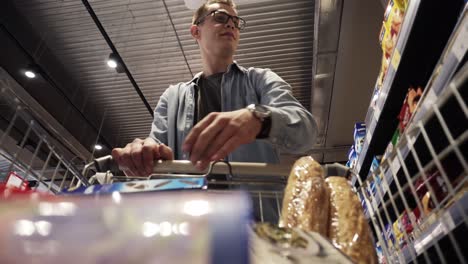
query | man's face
(216,38)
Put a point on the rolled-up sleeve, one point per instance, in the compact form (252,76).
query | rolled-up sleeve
(293,128)
(159,125)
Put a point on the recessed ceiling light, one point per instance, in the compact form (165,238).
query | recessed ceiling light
(97,147)
(30,74)
(115,62)
(112,63)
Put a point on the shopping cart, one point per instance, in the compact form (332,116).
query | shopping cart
(36,148)
(40,150)
(34,145)
(264,182)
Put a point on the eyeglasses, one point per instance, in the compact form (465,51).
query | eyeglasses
(223,17)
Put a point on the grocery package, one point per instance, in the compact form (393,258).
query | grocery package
(389,236)
(391,26)
(272,244)
(380,255)
(15,180)
(373,185)
(359,136)
(9,192)
(348,229)
(375,97)
(363,202)
(409,107)
(393,18)
(193,227)
(376,160)
(141,186)
(436,182)
(375,163)
(329,207)
(404,225)
(391,145)
(306,201)
(352,158)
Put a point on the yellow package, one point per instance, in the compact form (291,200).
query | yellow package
(393,18)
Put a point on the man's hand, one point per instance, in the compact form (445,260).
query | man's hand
(218,134)
(137,158)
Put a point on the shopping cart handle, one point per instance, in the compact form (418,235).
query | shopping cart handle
(106,163)
(236,168)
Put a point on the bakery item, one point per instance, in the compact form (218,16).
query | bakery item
(348,228)
(306,201)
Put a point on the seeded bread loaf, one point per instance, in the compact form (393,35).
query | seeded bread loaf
(306,199)
(348,228)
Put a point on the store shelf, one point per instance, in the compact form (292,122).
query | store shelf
(413,141)
(445,223)
(439,82)
(421,41)
(430,154)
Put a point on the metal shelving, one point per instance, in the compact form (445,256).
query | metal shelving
(436,140)
(412,62)
(449,62)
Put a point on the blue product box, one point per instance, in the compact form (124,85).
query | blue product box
(142,186)
(359,136)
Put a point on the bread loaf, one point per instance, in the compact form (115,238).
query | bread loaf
(306,200)
(348,228)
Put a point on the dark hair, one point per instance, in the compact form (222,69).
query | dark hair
(203,9)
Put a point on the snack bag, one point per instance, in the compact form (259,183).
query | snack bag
(409,107)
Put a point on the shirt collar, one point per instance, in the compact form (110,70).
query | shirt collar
(233,65)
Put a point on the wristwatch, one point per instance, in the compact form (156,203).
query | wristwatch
(264,115)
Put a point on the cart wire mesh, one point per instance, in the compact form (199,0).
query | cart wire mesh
(32,148)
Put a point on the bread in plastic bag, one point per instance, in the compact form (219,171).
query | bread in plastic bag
(306,199)
(348,229)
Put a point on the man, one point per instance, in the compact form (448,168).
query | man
(225,112)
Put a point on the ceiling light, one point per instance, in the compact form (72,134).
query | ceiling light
(115,62)
(97,147)
(112,63)
(30,74)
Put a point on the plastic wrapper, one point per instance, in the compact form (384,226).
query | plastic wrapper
(306,200)
(349,231)
(409,107)
(271,244)
(169,227)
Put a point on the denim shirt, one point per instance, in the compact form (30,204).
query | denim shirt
(293,129)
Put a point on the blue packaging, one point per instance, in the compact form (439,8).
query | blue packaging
(352,158)
(359,136)
(142,186)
